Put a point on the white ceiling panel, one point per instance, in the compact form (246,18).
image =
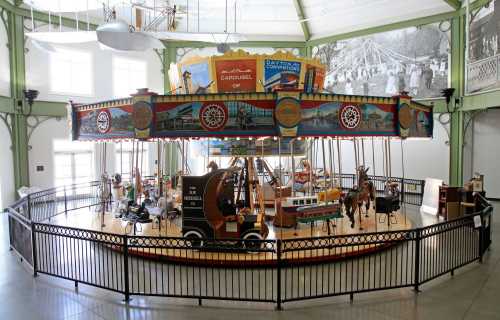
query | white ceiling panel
(269,19)
(332,17)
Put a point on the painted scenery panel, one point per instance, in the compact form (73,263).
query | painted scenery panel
(106,123)
(250,118)
(414,59)
(196,77)
(267,147)
(342,118)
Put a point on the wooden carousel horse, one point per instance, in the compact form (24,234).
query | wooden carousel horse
(103,193)
(361,194)
(302,180)
(117,192)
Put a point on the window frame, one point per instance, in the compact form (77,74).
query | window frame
(91,70)
(129,60)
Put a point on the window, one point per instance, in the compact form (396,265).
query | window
(73,162)
(125,157)
(71,72)
(128,76)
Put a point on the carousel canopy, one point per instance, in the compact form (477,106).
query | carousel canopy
(252,20)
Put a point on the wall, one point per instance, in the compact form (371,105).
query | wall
(41,151)
(37,71)
(4,63)
(486,151)
(7,192)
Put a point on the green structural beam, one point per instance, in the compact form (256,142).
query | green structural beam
(457,82)
(438,104)
(243,44)
(50,109)
(300,14)
(483,100)
(169,56)
(6,105)
(44,17)
(455,4)
(17,83)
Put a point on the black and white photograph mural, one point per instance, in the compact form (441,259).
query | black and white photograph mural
(414,59)
(483,60)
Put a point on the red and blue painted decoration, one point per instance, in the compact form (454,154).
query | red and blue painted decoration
(250,115)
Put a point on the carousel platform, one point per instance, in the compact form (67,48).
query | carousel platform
(306,243)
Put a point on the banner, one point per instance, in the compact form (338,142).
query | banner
(236,75)
(281,74)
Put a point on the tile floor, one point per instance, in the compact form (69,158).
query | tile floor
(473,293)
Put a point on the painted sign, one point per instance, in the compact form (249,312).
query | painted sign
(107,123)
(215,118)
(314,78)
(236,75)
(281,74)
(347,118)
(195,77)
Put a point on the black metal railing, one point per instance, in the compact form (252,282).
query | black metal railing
(275,271)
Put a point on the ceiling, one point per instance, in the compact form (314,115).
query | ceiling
(276,20)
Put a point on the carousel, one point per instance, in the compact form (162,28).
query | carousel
(270,146)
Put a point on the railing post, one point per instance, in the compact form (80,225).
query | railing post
(65,202)
(29,206)
(422,186)
(125,268)
(403,191)
(33,250)
(416,280)
(481,239)
(278,276)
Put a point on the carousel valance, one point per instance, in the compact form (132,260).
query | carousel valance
(147,115)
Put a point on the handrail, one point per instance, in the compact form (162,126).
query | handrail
(275,255)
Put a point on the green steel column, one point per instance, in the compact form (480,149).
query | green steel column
(19,123)
(169,56)
(457,81)
(171,153)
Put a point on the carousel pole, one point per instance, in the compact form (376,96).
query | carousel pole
(281,189)
(208,152)
(339,153)
(131,162)
(311,152)
(183,159)
(292,142)
(363,151)
(389,157)
(331,153)
(121,159)
(356,163)
(403,181)
(373,157)
(158,165)
(137,158)
(384,159)
(324,165)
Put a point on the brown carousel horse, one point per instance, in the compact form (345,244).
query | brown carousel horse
(364,192)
